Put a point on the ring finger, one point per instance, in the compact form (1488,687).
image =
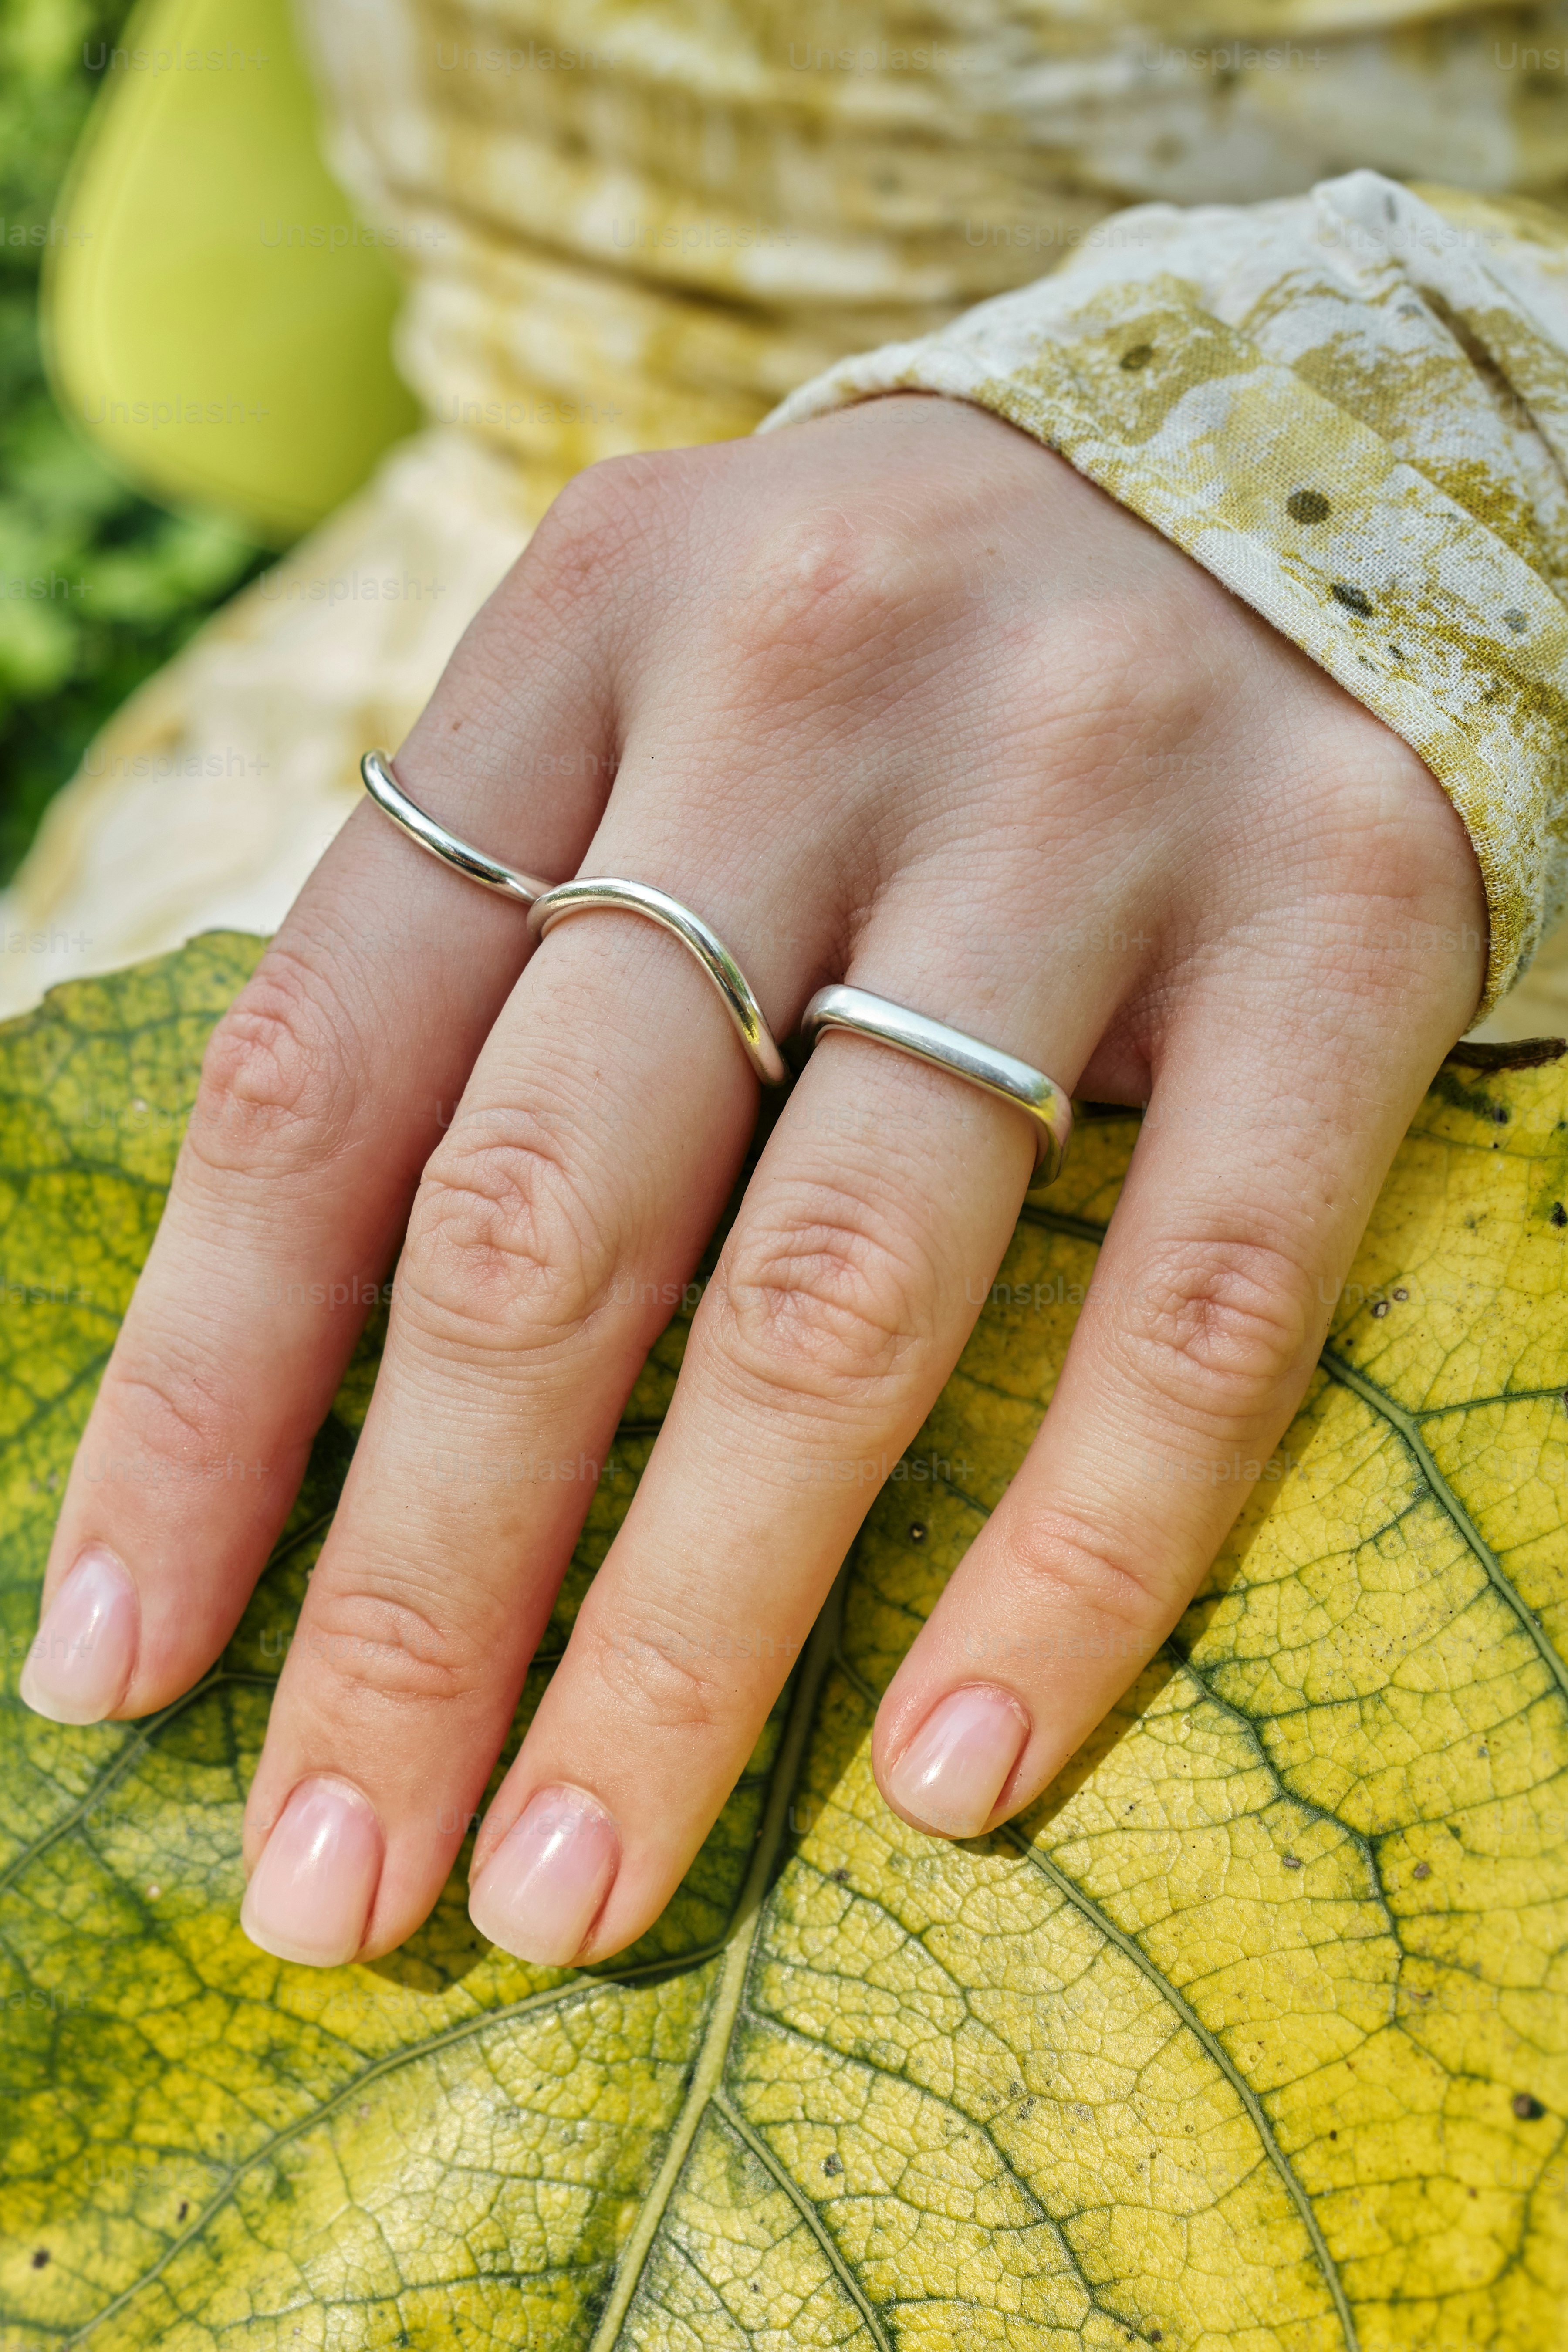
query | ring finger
(841,1301)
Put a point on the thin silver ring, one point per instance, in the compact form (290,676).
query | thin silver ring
(547,903)
(640,898)
(1011,1081)
(394,801)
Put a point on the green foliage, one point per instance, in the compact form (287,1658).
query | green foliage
(98,586)
(1252,2032)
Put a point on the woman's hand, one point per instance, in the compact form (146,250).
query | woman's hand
(895,698)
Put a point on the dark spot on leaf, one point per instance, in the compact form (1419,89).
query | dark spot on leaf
(1306,506)
(1528,2110)
(185,2208)
(1422,1870)
(1499,1111)
(1292,1861)
(1380,1308)
(42,2256)
(1401,1292)
(1558,1213)
(832,2165)
(1139,356)
(1517,622)
(916,1533)
(1352,598)
(1334,2135)
(841,1878)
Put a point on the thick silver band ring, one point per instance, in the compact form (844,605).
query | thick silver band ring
(864,1015)
(394,801)
(547,903)
(641,899)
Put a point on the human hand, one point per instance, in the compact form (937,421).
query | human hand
(894,697)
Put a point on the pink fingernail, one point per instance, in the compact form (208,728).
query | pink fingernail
(81,1662)
(958,1763)
(545,1883)
(310,1895)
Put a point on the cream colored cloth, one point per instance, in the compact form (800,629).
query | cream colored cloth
(657,221)
(207,801)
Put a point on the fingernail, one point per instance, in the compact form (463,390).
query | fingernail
(310,1895)
(956,1766)
(80,1662)
(545,1883)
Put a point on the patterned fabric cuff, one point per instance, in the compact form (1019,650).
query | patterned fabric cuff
(1352,407)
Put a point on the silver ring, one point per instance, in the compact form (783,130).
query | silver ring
(1011,1081)
(394,801)
(640,898)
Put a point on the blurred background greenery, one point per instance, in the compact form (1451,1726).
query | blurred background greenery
(98,586)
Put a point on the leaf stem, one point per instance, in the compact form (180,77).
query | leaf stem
(1408,1428)
(708,2073)
(1211,2042)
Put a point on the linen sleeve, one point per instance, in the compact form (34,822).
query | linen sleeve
(1352,407)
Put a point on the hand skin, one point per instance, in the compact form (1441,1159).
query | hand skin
(894,697)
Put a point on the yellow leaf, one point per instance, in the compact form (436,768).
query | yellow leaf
(1252,2033)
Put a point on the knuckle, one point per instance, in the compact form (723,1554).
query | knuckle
(835,590)
(1221,1326)
(1069,1574)
(820,1303)
(163,1413)
(377,1639)
(1124,678)
(607,516)
(654,1674)
(276,1093)
(503,1250)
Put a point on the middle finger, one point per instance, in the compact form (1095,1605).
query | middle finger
(876,1219)
(586,1165)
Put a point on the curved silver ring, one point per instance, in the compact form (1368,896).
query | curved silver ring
(1011,1081)
(394,801)
(640,898)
